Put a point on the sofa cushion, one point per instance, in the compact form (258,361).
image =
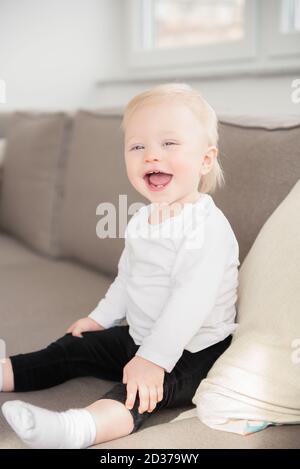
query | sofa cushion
(96,174)
(260,158)
(32,178)
(193,434)
(5,119)
(257,380)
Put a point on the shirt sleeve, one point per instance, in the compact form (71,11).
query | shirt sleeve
(112,308)
(196,278)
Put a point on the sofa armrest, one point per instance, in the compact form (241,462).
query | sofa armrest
(1,181)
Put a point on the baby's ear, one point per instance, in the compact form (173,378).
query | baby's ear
(212,151)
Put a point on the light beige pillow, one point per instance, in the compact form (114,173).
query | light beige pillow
(256,382)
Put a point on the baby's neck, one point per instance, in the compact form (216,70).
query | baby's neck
(164,211)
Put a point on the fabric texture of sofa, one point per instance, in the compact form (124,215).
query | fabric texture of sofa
(58,167)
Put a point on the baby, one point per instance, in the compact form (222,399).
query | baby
(176,287)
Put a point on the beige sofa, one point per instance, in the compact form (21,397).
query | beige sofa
(58,168)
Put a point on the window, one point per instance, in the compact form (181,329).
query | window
(190,22)
(181,32)
(282,28)
(290,16)
(213,36)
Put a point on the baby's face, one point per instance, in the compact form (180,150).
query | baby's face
(166,137)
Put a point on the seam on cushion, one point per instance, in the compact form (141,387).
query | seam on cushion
(258,126)
(58,191)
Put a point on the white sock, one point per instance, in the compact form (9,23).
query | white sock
(42,428)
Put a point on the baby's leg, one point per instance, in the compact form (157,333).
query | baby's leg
(108,418)
(105,420)
(102,421)
(112,419)
(98,353)
(7,375)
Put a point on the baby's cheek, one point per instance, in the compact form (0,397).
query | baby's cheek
(179,159)
(131,171)
(176,163)
(182,168)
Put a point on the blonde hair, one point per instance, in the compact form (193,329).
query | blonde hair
(195,101)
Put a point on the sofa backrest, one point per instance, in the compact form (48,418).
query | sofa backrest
(261,161)
(4,123)
(33,168)
(259,156)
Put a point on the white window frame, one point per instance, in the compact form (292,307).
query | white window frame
(262,50)
(276,43)
(141,56)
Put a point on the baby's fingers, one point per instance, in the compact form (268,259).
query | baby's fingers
(131,390)
(70,329)
(160,393)
(144,398)
(77,332)
(153,394)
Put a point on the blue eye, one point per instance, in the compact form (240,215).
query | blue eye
(139,146)
(133,148)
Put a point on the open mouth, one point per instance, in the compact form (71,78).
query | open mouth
(157,180)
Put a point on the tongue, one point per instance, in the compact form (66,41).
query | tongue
(159,178)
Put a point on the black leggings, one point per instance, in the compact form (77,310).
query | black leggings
(103,354)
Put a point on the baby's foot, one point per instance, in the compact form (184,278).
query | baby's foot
(42,428)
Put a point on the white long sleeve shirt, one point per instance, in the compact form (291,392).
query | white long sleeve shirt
(176,284)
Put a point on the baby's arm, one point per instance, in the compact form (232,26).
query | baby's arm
(110,309)
(197,277)
(84,325)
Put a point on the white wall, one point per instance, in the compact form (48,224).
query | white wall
(53,53)
(262,95)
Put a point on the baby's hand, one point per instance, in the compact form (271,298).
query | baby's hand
(145,377)
(84,325)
